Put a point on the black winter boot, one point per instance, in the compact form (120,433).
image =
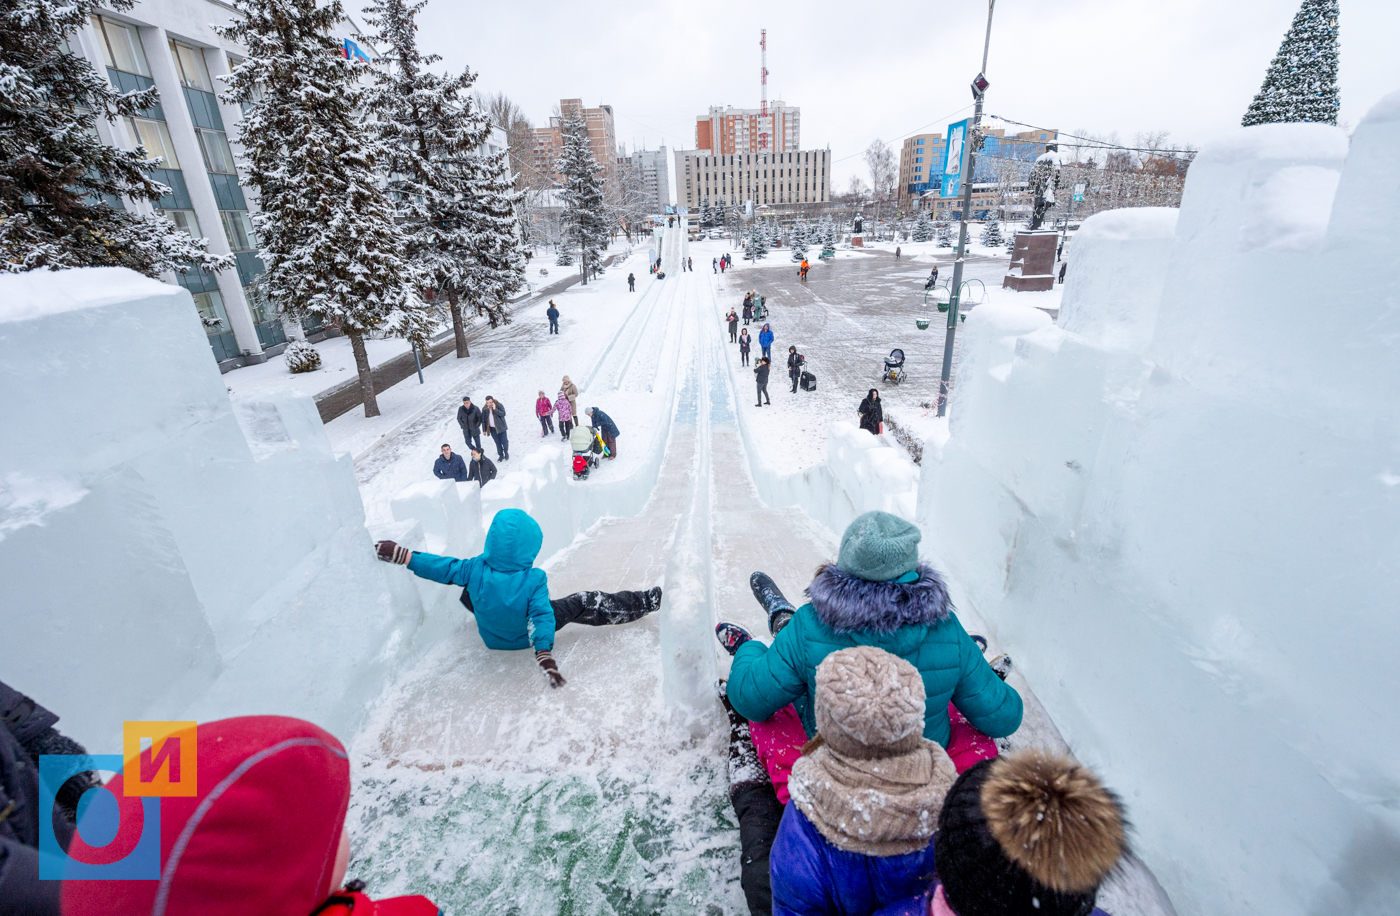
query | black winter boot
(767,593)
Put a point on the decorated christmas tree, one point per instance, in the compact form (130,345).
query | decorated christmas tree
(327,230)
(585,213)
(1301,83)
(456,209)
(60,185)
(923,227)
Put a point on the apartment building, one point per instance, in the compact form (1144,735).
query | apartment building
(602,140)
(730,131)
(172,45)
(653,171)
(794,177)
(921,160)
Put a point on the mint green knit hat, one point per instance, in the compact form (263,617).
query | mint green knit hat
(878,547)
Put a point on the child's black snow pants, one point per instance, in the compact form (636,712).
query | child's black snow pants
(601,609)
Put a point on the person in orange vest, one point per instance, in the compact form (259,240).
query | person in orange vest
(804,270)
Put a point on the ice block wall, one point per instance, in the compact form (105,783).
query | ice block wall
(1180,510)
(165,552)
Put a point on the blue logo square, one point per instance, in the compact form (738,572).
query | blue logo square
(141,864)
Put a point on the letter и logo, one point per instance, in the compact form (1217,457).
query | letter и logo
(167,767)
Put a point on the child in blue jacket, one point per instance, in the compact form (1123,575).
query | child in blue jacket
(510,597)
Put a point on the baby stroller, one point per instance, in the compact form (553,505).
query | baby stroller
(894,367)
(583,442)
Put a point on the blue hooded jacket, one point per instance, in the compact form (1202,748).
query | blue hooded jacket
(765,337)
(811,877)
(510,597)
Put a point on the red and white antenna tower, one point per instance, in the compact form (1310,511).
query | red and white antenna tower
(763,107)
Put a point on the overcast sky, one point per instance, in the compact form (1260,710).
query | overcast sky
(886,69)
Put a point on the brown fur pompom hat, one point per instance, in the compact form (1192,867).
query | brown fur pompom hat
(1028,834)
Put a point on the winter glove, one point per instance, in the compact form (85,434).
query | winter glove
(390,552)
(551,670)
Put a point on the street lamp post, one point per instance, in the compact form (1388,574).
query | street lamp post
(955,290)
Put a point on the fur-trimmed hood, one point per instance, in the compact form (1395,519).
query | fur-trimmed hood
(847,604)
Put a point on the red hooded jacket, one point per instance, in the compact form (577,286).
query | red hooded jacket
(260,838)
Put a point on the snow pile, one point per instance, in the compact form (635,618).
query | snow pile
(167,553)
(1178,511)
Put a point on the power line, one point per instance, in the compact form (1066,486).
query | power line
(1100,144)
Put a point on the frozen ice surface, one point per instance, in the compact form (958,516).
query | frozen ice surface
(169,553)
(1177,513)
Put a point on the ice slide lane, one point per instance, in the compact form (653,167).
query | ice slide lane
(484,789)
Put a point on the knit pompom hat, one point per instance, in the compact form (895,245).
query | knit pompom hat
(878,546)
(869,703)
(1028,834)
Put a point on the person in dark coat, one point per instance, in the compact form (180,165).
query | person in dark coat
(449,466)
(469,418)
(493,421)
(631,283)
(605,425)
(795,362)
(745,342)
(481,470)
(553,314)
(27,732)
(872,413)
(733,319)
(689,264)
(748,308)
(932,279)
(1064,265)
(760,374)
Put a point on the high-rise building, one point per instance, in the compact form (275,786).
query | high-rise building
(602,140)
(653,171)
(727,131)
(795,177)
(921,160)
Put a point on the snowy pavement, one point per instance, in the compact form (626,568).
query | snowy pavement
(490,793)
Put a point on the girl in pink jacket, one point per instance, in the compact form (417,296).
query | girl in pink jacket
(566,415)
(545,411)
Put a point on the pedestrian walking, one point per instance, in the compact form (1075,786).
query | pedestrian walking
(689,265)
(449,466)
(493,420)
(795,362)
(733,319)
(872,413)
(605,425)
(932,279)
(469,418)
(570,391)
(714,265)
(544,409)
(631,283)
(760,375)
(566,415)
(744,341)
(552,313)
(765,340)
(896,253)
(1063,265)
(723,263)
(803,270)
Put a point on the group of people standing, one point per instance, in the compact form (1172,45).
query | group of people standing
(721,263)
(761,369)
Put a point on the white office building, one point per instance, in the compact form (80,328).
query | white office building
(795,177)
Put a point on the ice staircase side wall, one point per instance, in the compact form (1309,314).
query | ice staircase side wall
(167,553)
(1179,510)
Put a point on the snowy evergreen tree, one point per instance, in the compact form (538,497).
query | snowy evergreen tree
(326,229)
(991,234)
(923,227)
(1010,234)
(945,236)
(457,209)
(585,213)
(799,240)
(60,185)
(1301,84)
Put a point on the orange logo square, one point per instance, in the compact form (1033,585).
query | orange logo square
(167,767)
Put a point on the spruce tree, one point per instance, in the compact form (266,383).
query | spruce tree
(456,209)
(799,240)
(326,229)
(1301,83)
(991,234)
(59,183)
(945,235)
(585,216)
(923,227)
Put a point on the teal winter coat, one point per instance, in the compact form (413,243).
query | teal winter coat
(508,595)
(913,620)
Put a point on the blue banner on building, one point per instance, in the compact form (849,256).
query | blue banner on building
(953,158)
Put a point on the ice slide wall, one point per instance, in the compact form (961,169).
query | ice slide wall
(1180,510)
(165,552)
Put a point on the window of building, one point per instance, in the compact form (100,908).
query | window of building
(217,155)
(920,141)
(918,158)
(189,65)
(155,137)
(211,306)
(184,219)
(121,46)
(239,229)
